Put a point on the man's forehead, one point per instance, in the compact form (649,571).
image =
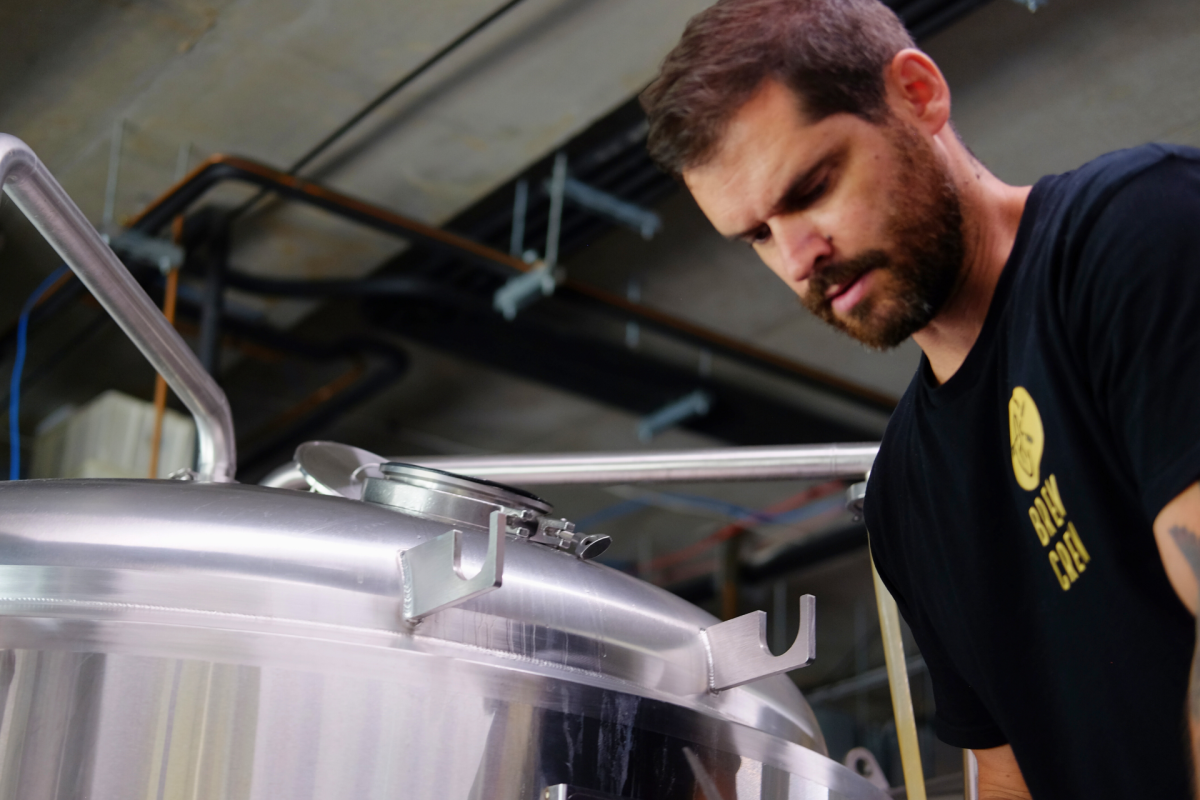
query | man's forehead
(765,144)
(772,110)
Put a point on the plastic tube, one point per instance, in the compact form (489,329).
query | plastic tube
(902,707)
(14,390)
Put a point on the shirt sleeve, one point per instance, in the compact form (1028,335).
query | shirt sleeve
(1133,306)
(960,718)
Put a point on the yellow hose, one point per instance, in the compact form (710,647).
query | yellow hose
(897,670)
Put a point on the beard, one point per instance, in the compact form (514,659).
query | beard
(921,268)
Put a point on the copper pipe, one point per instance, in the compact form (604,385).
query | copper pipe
(328,196)
(728,343)
(160,383)
(697,334)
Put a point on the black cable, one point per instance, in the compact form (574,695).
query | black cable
(382,98)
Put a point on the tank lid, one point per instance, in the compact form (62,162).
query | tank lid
(456,499)
(336,469)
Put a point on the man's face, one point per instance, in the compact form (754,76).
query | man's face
(861,220)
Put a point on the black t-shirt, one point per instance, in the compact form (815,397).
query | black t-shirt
(1011,508)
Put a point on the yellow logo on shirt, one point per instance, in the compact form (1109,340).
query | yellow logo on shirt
(1048,513)
(1026,437)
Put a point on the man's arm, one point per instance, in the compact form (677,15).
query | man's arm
(1177,531)
(999,776)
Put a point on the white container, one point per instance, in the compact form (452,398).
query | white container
(110,437)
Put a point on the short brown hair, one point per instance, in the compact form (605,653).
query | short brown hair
(831,53)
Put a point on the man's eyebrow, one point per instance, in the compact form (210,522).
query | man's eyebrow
(798,184)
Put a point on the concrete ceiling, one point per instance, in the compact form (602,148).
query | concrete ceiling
(267,79)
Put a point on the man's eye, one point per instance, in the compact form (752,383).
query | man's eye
(805,199)
(759,235)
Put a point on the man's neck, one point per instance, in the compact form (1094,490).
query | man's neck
(991,216)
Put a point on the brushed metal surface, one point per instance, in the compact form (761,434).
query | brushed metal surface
(164,639)
(121,721)
(433,576)
(739,652)
(332,468)
(225,554)
(777,462)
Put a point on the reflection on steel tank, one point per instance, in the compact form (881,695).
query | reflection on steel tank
(397,631)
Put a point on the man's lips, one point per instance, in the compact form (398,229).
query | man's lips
(846,295)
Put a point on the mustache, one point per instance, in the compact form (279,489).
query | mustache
(842,273)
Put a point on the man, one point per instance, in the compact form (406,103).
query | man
(1034,506)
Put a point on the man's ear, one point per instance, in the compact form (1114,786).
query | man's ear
(918,91)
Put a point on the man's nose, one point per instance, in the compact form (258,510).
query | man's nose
(802,246)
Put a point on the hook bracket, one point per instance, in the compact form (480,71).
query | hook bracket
(433,576)
(738,653)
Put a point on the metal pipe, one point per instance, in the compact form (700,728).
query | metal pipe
(970,775)
(777,462)
(556,207)
(55,215)
(160,385)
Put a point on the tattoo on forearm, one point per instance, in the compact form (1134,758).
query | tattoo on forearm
(1189,545)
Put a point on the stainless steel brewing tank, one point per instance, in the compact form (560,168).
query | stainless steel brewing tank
(187,640)
(209,640)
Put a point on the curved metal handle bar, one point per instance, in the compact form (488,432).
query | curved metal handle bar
(55,215)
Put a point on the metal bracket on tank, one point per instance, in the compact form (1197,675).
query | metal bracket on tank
(738,653)
(562,791)
(433,576)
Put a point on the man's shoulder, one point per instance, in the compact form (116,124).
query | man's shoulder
(894,450)
(1079,195)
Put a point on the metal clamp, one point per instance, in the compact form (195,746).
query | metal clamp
(640,220)
(433,576)
(563,791)
(522,290)
(856,495)
(738,653)
(164,254)
(540,281)
(561,535)
(693,404)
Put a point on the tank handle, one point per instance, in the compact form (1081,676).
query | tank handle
(738,653)
(432,571)
(59,220)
